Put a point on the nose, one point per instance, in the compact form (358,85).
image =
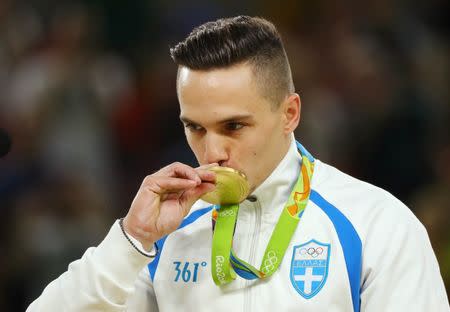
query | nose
(215,149)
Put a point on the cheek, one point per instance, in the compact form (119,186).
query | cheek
(263,137)
(195,146)
(252,150)
(259,145)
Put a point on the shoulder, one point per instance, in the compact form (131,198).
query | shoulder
(367,207)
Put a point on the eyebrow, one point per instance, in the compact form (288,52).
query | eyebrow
(222,121)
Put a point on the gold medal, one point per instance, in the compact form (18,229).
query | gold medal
(231,187)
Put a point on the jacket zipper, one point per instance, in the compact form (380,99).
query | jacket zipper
(251,260)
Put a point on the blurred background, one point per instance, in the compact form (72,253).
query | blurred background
(87,92)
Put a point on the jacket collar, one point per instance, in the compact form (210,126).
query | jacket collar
(275,190)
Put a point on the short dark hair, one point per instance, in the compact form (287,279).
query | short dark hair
(229,41)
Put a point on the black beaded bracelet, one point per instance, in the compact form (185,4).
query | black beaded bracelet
(135,247)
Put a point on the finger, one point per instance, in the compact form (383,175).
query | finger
(191,196)
(206,175)
(188,173)
(180,170)
(162,185)
(202,189)
(207,166)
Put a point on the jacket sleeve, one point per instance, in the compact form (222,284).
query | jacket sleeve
(102,280)
(143,298)
(400,270)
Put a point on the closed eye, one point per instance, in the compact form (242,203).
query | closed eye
(193,127)
(234,126)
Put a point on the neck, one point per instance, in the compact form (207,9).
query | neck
(283,148)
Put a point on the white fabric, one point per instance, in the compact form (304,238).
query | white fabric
(399,269)
(150,253)
(102,280)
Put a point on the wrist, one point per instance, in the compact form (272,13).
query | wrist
(150,250)
(133,231)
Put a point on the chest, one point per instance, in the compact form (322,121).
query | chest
(312,275)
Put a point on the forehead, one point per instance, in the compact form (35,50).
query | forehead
(218,93)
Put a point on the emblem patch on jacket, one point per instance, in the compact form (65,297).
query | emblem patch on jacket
(309,267)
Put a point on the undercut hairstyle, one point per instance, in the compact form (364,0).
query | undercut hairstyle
(236,40)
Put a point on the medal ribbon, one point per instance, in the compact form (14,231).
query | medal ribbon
(225,263)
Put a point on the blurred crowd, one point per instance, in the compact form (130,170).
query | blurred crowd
(88,95)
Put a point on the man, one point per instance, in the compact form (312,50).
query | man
(356,247)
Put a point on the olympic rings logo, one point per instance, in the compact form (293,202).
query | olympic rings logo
(313,252)
(270,262)
(226,213)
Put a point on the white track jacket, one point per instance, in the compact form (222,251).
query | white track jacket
(356,248)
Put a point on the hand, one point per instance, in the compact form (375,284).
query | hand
(164,199)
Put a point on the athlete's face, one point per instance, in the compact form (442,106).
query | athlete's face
(229,122)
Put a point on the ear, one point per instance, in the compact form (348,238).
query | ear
(291,113)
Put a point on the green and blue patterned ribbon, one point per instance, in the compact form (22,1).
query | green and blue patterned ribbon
(226,265)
